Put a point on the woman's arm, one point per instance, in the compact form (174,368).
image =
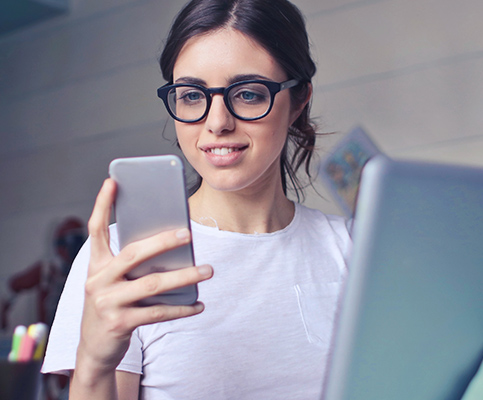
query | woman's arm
(110,314)
(127,387)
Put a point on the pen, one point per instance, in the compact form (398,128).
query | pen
(19,332)
(40,340)
(27,345)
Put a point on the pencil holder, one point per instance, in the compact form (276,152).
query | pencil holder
(19,380)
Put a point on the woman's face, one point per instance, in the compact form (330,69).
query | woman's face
(228,153)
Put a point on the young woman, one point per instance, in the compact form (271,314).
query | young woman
(239,85)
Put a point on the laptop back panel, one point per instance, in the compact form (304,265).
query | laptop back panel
(411,326)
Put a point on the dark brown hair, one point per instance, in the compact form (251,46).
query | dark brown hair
(279,27)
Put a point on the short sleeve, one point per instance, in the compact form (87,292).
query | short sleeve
(64,335)
(65,332)
(133,359)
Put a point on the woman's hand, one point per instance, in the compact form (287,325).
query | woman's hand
(110,314)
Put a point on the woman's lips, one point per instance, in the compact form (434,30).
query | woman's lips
(223,155)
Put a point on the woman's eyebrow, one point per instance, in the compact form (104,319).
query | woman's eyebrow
(234,79)
(191,80)
(248,77)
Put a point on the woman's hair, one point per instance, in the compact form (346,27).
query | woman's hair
(279,27)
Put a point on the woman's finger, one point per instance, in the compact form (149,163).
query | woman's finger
(153,284)
(137,316)
(98,224)
(140,251)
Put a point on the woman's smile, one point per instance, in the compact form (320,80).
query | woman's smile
(223,155)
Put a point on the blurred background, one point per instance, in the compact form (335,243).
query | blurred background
(78,82)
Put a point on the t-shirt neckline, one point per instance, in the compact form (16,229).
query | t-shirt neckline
(200,228)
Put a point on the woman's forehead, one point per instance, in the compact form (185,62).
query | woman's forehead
(224,53)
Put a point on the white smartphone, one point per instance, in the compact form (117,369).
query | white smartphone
(151,198)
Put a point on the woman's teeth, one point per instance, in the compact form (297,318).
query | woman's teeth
(223,151)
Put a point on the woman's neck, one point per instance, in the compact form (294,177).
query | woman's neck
(260,212)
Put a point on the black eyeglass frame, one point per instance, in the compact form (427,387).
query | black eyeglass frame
(273,88)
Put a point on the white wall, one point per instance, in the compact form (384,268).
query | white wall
(80,90)
(410,72)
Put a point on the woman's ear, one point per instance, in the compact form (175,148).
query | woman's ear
(296,111)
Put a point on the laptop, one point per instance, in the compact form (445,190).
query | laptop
(411,322)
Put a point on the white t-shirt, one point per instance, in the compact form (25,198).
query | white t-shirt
(266,329)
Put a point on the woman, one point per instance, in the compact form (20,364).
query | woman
(265,332)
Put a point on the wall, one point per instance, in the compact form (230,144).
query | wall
(80,90)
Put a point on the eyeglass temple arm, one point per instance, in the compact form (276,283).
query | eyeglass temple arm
(289,84)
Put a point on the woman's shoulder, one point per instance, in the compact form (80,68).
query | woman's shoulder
(315,217)
(331,230)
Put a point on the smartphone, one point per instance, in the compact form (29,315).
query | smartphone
(151,198)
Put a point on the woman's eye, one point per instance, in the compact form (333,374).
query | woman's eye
(249,96)
(191,96)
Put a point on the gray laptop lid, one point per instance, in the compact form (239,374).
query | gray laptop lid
(411,324)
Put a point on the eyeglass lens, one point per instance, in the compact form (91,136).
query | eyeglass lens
(249,100)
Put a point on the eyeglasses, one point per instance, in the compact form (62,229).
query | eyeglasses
(247,100)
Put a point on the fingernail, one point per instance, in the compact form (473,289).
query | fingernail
(204,270)
(199,307)
(183,234)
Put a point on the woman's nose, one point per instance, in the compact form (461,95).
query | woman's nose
(219,120)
